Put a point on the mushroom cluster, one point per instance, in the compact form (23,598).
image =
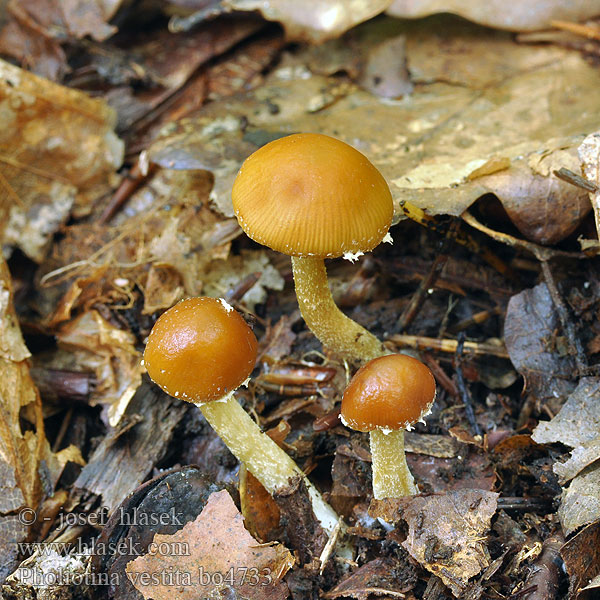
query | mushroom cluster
(201,350)
(313,197)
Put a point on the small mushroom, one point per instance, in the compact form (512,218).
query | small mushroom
(201,350)
(386,396)
(311,196)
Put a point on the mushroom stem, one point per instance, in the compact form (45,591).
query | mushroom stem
(391,476)
(261,455)
(331,326)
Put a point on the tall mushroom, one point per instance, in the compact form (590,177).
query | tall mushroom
(201,350)
(386,396)
(312,197)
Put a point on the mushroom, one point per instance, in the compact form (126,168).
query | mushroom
(312,197)
(386,396)
(201,350)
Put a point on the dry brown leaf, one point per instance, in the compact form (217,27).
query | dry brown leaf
(582,559)
(544,208)
(350,473)
(242,69)
(516,16)
(163,288)
(223,275)
(221,556)
(261,513)
(230,64)
(279,339)
(529,327)
(50,566)
(83,18)
(589,155)
(181,232)
(385,73)
(110,353)
(20,451)
(223,151)
(54,463)
(26,459)
(580,502)
(163,243)
(592,589)
(482,104)
(83,291)
(30,31)
(441,474)
(581,457)
(440,446)
(386,576)
(313,20)
(447,534)
(43,55)
(173,57)
(54,143)
(577,424)
(578,421)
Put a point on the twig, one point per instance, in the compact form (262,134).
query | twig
(440,375)
(330,545)
(523,592)
(462,385)
(235,293)
(452,302)
(526,411)
(446,345)
(540,252)
(416,302)
(365,592)
(576,180)
(545,574)
(178,24)
(453,282)
(435,590)
(63,430)
(130,183)
(575,346)
(541,505)
(327,421)
(591,33)
(464,238)
(476,319)
(59,384)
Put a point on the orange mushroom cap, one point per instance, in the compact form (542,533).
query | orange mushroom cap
(309,194)
(200,349)
(390,392)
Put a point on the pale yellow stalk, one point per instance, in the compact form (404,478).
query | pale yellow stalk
(330,325)
(348,339)
(261,455)
(391,476)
